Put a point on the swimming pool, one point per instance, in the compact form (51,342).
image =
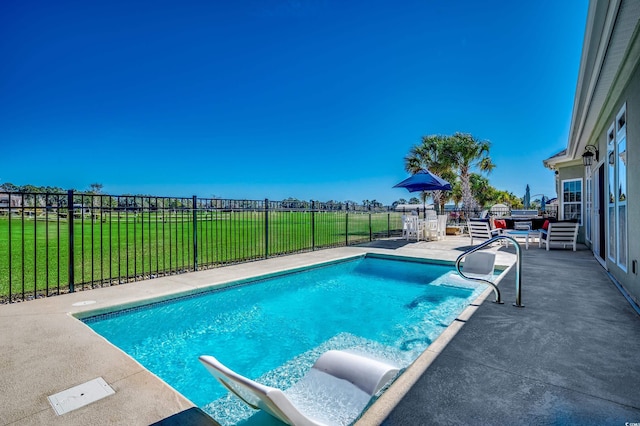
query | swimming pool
(273,329)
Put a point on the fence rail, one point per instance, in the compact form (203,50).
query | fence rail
(54,243)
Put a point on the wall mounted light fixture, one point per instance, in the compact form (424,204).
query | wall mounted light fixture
(590,152)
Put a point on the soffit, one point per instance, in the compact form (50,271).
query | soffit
(596,18)
(609,40)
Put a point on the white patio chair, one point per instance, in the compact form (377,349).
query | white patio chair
(565,233)
(431,229)
(405,226)
(409,227)
(442,226)
(429,226)
(481,230)
(415,228)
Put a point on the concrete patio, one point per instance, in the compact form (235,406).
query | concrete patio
(570,356)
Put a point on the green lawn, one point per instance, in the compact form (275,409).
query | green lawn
(111,249)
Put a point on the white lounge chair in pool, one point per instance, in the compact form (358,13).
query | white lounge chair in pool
(479,264)
(348,378)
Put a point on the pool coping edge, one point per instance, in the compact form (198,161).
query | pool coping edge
(377,412)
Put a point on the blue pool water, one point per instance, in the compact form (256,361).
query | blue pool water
(273,330)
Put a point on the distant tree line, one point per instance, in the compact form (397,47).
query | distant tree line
(135,201)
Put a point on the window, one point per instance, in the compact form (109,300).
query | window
(617,209)
(621,186)
(611,204)
(572,199)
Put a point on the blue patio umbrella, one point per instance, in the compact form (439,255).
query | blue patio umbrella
(424,180)
(543,204)
(527,198)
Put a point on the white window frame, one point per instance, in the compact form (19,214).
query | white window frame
(621,134)
(579,203)
(617,243)
(612,246)
(587,196)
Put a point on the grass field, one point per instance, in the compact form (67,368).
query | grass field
(112,248)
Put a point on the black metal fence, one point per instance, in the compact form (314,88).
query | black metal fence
(459,216)
(53,243)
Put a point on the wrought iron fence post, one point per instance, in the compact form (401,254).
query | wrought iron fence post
(195,232)
(370,229)
(346,226)
(9,247)
(388,225)
(70,214)
(22,204)
(313,225)
(266,228)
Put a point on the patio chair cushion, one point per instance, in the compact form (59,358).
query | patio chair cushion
(500,224)
(545,225)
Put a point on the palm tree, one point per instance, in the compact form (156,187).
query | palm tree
(482,191)
(431,154)
(96,188)
(465,152)
(508,198)
(456,193)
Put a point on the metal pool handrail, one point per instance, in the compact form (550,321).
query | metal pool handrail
(518,303)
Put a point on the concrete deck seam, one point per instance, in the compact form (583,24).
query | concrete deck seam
(128,376)
(33,414)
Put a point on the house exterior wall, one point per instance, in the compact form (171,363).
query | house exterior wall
(571,172)
(629,279)
(629,96)
(605,87)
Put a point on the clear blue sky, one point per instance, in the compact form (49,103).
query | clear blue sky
(312,99)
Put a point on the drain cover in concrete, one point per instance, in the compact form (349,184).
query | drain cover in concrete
(79,396)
